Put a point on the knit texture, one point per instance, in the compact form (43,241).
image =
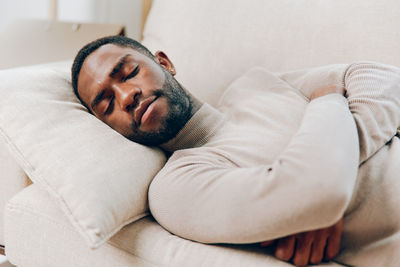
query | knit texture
(269,163)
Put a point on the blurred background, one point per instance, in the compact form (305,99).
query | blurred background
(41,31)
(127,12)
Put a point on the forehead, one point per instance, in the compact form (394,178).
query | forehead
(97,66)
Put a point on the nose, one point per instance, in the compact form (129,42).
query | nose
(126,96)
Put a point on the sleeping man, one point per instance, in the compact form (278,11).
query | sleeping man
(305,160)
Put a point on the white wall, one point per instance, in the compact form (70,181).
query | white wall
(13,9)
(127,12)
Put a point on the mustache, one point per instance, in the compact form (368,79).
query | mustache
(158,93)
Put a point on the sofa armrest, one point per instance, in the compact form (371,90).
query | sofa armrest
(12,180)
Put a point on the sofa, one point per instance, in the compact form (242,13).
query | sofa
(61,204)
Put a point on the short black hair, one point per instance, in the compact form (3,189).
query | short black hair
(85,51)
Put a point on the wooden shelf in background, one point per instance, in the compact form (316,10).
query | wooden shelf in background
(146,6)
(2,250)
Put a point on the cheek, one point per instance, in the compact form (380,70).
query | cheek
(120,122)
(153,78)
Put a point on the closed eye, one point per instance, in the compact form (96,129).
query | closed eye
(133,73)
(110,106)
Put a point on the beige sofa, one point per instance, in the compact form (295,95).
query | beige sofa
(211,43)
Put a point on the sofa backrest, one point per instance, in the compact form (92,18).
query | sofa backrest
(212,42)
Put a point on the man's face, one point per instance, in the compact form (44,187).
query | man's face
(133,94)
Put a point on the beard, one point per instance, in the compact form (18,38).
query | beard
(180,111)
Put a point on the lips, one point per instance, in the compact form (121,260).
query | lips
(141,108)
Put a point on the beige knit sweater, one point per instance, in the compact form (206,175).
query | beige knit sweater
(268,163)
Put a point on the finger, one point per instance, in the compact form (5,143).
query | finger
(303,248)
(333,243)
(267,243)
(318,247)
(285,248)
(332,248)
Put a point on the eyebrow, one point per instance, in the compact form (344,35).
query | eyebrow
(117,68)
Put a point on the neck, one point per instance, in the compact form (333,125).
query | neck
(197,131)
(196,104)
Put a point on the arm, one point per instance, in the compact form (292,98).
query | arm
(373,92)
(374,100)
(316,245)
(197,196)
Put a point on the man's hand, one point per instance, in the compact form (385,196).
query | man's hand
(333,89)
(309,247)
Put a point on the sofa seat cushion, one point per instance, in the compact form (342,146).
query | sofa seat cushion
(39,235)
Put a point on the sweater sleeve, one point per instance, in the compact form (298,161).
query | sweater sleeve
(200,197)
(373,92)
(374,99)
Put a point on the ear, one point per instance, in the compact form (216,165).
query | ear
(164,61)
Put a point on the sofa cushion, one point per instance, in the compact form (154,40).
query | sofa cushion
(213,42)
(12,179)
(143,243)
(99,178)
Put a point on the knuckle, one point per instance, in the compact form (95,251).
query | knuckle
(330,254)
(300,261)
(283,254)
(315,260)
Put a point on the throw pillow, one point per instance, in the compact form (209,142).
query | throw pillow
(99,177)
